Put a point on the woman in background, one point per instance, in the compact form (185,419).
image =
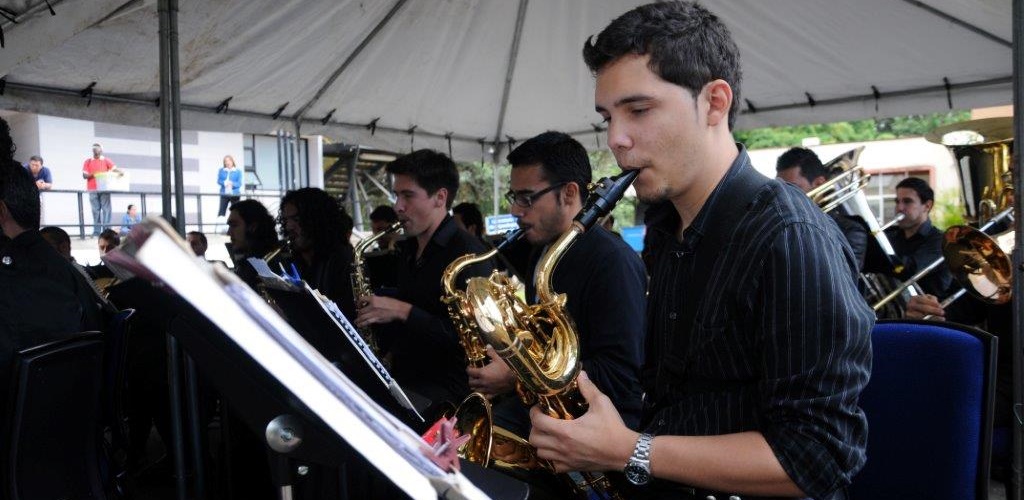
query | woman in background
(229,178)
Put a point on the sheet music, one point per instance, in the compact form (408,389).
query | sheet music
(243,316)
(357,341)
(273,280)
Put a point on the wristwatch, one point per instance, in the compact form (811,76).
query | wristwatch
(638,468)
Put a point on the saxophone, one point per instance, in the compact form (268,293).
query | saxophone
(490,445)
(361,279)
(459,308)
(539,342)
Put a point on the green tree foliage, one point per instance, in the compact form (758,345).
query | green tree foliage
(855,131)
(477,186)
(948,210)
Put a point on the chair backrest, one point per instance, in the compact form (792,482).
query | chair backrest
(929,405)
(115,367)
(53,423)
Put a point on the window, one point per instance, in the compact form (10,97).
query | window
(268,160)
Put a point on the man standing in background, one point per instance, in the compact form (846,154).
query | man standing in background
(100,201)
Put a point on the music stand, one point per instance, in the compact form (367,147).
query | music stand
(246,349)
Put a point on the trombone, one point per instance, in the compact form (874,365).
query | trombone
(978,261)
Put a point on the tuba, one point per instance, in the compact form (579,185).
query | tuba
(539,342)
(361,278)
(983,150)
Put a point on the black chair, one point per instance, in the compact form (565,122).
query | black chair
(114,374)
(929,406)
(113,394)
(53,428)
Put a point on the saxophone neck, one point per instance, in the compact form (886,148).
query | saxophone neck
(364,245)
(550,259)
(451,273)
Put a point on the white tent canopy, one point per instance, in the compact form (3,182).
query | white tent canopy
(482,70)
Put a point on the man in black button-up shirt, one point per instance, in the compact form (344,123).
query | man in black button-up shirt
(803,169)
(916,241)
(759,343)
(414,325)
(603,279)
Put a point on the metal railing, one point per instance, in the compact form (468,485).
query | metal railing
(77,215)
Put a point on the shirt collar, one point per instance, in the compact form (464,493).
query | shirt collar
(442,236)
(926,227)
(664,217)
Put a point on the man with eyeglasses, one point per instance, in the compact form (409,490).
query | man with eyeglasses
(602,277)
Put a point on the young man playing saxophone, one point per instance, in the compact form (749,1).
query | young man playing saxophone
(414,325)
(758,344)
(602,277)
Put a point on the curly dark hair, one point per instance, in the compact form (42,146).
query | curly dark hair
(7,147)
(19,192)
(322,218)
(689,46)
(260,232)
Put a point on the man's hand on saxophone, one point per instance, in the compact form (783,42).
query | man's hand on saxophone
(375,310)
(494,379)
(597,441)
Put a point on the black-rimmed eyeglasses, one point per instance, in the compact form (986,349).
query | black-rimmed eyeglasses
(525,199)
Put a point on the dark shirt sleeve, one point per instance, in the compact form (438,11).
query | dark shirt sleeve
(438,327)
(816,359)
(612,343)
(46,176)
(856,235)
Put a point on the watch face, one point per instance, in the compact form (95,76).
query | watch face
(637,474)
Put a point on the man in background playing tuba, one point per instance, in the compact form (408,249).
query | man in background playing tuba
(758,343)
(414,325)
(803,169)
(603,279)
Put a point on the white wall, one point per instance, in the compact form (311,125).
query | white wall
(66,143)
(879,155)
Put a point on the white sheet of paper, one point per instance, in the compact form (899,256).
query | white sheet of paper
(391,446)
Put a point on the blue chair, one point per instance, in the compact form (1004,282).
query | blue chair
(929,405)
(53,428)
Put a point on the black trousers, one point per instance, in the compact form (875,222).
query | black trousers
(224,202)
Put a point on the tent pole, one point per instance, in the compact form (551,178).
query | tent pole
(297,158)
(165,116)
(1017,342)
(353,191)
(175,86)
(191,381)
(173,351)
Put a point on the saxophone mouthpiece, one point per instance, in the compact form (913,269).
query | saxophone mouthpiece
(604,194)
(509,238)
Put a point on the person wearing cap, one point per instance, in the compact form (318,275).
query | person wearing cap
(99,200)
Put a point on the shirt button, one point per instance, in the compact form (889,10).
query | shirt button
(672,315)
(661,422)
